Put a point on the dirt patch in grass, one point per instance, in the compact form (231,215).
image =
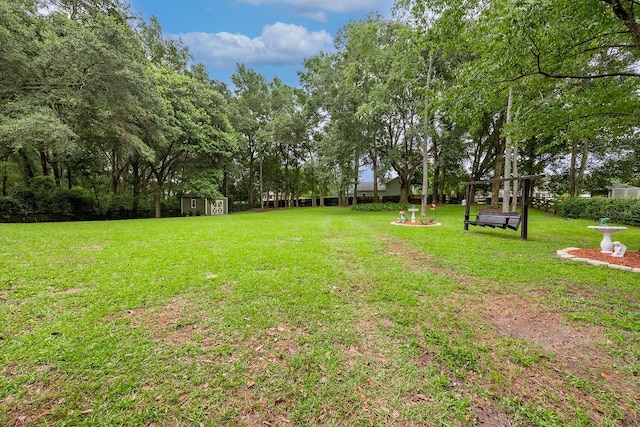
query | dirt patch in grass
(174,323)
(486,415)
(573,366)
(519,318)
(419,261)
(544,358)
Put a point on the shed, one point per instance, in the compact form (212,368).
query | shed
(625,191)
(193,204)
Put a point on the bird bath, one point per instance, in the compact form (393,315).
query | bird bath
(413,211)
(606,245)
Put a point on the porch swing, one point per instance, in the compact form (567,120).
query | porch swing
(496,219)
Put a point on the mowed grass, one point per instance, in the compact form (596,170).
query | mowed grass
(314,316)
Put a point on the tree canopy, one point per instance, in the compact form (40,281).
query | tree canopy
(100,110)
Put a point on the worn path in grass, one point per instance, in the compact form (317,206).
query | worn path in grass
(312,317)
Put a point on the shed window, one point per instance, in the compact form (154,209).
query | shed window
(193,203)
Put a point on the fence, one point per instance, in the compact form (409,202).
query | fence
(27,217)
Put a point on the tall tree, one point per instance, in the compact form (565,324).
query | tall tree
(251,107)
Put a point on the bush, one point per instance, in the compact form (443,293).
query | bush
(381,207)
(76,200)
(618,210)
(27,199)
(9,205)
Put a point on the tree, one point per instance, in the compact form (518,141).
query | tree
(251,107)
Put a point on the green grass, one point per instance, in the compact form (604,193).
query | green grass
(315,316)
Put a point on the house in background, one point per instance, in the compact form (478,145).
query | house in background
(624,190)
(365,189)
(196,205)
(390,188)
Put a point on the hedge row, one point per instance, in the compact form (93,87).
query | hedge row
(618,210)
(75,199)
(381,207)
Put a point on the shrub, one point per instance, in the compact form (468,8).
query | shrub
(75,200)
(26,199)
(381,207)
(618,210)
(9,205)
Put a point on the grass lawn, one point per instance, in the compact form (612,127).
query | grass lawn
(314,316)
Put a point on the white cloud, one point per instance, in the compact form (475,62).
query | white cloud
(319,9)
(281,44)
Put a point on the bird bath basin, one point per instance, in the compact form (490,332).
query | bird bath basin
(606,245)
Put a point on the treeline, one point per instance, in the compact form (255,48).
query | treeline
(100,111)
(464,90)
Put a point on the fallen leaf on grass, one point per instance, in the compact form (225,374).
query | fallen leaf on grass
(360,393)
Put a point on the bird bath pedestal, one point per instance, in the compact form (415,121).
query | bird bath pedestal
(606,245)
(413,213)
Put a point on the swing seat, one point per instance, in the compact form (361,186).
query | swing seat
(494,219)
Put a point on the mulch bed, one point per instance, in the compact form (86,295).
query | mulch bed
(630,259)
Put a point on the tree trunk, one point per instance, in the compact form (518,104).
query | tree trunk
(44,162)
(436,177)
(583,167)
(506,187)
(225,182)
(158,198)
(5,175)
(27,167)
(250,188)
(374,166)
(495,187)
(261,187)
(514,203)
(114,172)
(356,172)
(404,190)
(425,144)
(572,169)
(135,172)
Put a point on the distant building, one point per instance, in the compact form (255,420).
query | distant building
(270,196)
(196,205)
(365,189)
(625,191)
(390,188)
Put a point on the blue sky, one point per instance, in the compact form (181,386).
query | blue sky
(273,37)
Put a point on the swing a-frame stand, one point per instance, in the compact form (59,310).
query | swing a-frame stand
(503,220)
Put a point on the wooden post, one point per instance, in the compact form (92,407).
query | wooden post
(467,206)
(526,186)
